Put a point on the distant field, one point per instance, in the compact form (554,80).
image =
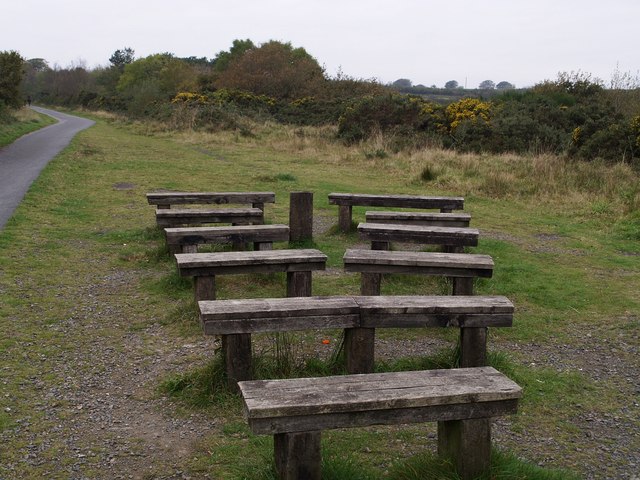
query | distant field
(100,348)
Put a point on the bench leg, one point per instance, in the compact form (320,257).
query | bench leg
(370,283)
(462,285)
(468,444)
(344,218)
(298,284)
(262,246)
(189,248)
(238,246)
(236,353)
(359,349)
(473,347)
(205,288)
(297,455)
(378,245)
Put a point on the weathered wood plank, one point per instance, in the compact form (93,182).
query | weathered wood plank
(380,232)
(460,220)
(218,198)
(429,263)
(177,217)
(223,263)
(402,201)
(391,416)
(278,314)
(240,233)
(376,391)
(435,311)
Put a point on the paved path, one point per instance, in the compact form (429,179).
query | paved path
(23,160)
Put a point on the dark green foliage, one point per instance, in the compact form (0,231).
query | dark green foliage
(10,77)
(395,114)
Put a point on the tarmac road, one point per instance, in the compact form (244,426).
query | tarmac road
(23,160)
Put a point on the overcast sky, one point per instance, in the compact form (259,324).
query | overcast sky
(428,42)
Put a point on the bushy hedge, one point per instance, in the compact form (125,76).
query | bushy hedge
(566,117)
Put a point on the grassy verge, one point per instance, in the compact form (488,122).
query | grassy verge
(20,123)
(566,253)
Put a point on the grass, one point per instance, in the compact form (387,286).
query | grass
(564,239)
(20,123)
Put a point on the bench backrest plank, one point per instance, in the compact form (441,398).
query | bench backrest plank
(240,233)
(275,406)
(220,263)
(401,201)
(461,220)
(430,263)
(219,198)
(432,235)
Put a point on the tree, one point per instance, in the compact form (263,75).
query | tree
(275,69)
(238,48)
(11,64)
(120,58)
(451,84)
(487,85)
(505,86)
(402,83)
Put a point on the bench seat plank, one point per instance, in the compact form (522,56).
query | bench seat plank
(278,314)
(435,311)
(219,198)
(430,263)
(460,220)
(185,216)
(279,406)
(432,235)
(402,201)
(239,233)
(221,263)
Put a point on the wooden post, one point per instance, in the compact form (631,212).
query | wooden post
(300,216)
(370,283)
(344,218)
(298,284)
(359,343)
(205,288)
(473,341)
(379,245)
(189,248)
(258,205)
(298,455)
(236,352)
(262,246)
(468,444)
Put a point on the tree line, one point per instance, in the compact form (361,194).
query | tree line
(573,115)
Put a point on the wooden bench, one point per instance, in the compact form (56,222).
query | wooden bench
(190,216)
(164,200)
(346,201)
(236,320)
(453,239)
(461,267)
(298,263)
(426,219)
(462,401)
(471,314)
(186,240)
